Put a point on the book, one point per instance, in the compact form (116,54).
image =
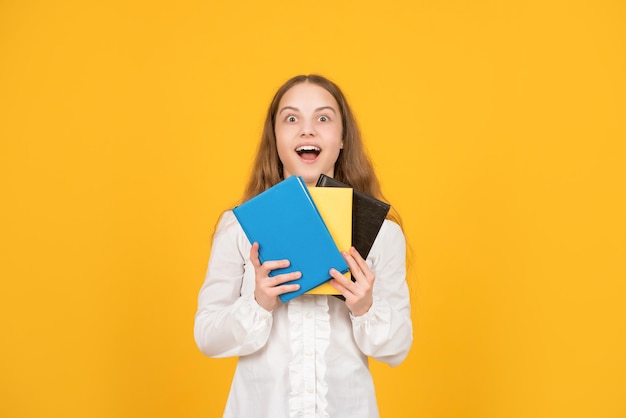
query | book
(335,206)
(368,215)
(287,225)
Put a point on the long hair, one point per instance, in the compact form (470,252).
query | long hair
(353,166)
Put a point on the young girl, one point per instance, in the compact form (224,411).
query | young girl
(307,357)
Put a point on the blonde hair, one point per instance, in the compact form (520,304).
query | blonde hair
(353,166)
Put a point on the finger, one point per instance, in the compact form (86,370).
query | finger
(283,283)
(254,255)
(281,279)
(358,259)
(286,288)
(354,267)
(340,277)
(339,287)
(341,282)
(268,265)
(363,270)
(275,264)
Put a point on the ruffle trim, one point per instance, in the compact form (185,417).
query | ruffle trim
(309,327)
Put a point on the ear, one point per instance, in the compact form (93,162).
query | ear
(341,145)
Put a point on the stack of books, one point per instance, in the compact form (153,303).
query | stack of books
(310,227)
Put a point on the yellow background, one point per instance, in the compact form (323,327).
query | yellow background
(497,129)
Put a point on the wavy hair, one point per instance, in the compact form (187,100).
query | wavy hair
(353,166)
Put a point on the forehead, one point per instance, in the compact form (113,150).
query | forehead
(307,96)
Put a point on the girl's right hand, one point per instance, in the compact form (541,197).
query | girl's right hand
(267,288)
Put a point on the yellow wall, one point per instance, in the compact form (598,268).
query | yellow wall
(498,132)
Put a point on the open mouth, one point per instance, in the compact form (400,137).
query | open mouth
(308,152)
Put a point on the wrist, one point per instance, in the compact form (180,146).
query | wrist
(264,304)
(361,310)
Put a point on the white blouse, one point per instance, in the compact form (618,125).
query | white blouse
(308,357)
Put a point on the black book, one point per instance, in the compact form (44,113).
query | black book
(368,215)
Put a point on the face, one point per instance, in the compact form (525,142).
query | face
(308,132)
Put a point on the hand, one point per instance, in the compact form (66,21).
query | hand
(267,288)
(358,293)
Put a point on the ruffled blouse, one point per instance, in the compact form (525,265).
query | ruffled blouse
(308,357)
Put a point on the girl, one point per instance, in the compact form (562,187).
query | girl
(307,357)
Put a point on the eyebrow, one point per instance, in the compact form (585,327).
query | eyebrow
(315,111)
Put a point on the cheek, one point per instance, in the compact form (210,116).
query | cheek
(333,135)
(284,134)
(280,136)
(283,146)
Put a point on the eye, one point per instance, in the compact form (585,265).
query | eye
(323,118)
(291,118)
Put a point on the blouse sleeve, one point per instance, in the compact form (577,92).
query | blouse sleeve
(227,323)
(385,332)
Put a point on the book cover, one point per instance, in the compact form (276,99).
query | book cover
(368,215)
(287,225)
(335,206)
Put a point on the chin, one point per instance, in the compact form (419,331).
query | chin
(310,179)
(309,176)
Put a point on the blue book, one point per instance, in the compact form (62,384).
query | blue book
(287,225)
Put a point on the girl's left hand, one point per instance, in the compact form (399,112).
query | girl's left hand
(358,293)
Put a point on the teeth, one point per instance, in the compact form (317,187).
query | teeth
(306,148)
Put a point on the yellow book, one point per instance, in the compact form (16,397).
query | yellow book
(335,206)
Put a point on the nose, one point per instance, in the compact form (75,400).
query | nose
(307,129)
